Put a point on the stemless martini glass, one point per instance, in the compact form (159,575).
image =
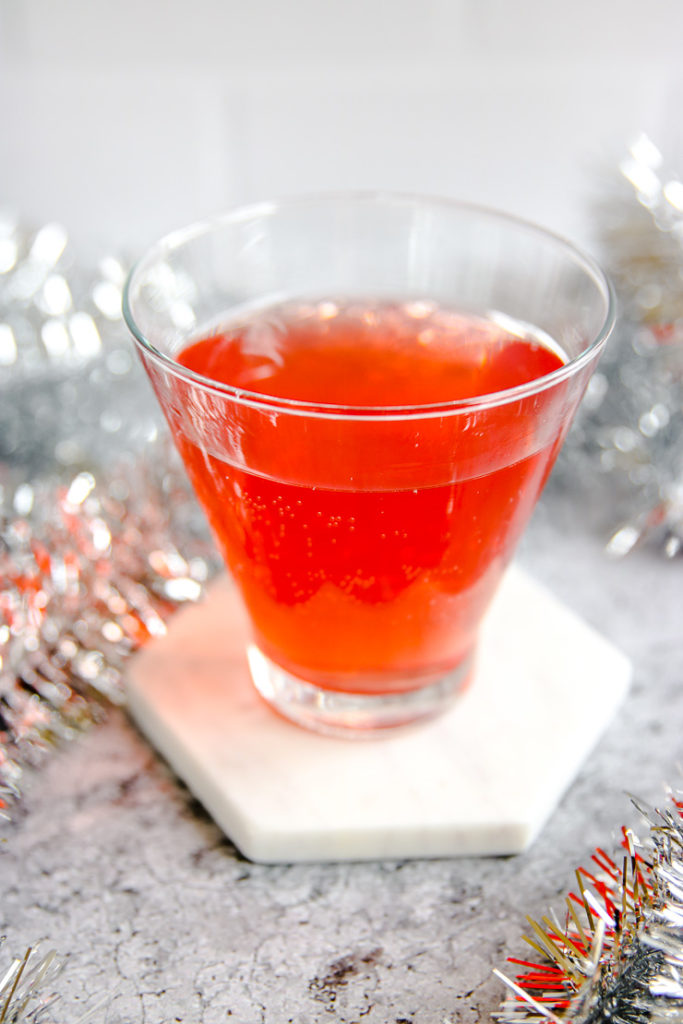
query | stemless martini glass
(368,393)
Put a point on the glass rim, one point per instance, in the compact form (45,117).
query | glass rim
(174,240)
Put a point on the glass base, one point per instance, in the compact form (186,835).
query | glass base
(343,714)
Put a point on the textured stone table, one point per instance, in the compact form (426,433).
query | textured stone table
(111,862)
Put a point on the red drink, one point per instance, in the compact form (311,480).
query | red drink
(367,466)
(368,537)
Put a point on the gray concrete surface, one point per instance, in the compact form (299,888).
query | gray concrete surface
(110,861)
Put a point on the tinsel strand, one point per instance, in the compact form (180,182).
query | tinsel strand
(626,447)
(92,575)
(95,509)
(618,955)
(25,988)
(28,995)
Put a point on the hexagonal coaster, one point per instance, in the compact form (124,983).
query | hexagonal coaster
(480,779)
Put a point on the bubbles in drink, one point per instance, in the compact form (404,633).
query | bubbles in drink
(366,543)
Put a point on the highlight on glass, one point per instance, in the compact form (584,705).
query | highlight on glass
(368,392)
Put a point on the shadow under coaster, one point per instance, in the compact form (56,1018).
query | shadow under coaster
(480,779)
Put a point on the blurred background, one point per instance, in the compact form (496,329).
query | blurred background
(124,120)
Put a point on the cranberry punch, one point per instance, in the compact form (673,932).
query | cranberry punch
(368,393)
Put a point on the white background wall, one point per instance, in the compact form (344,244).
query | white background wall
(126,118)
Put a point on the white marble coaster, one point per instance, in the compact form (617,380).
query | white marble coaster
(481,779)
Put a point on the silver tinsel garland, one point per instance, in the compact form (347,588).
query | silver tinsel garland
(95,509)
(26,988)
(618,954)
(91,570)
(626,448)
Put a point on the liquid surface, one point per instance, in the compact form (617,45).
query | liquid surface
(378,356)
(352,580)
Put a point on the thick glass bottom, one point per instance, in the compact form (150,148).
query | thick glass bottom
(352,715)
